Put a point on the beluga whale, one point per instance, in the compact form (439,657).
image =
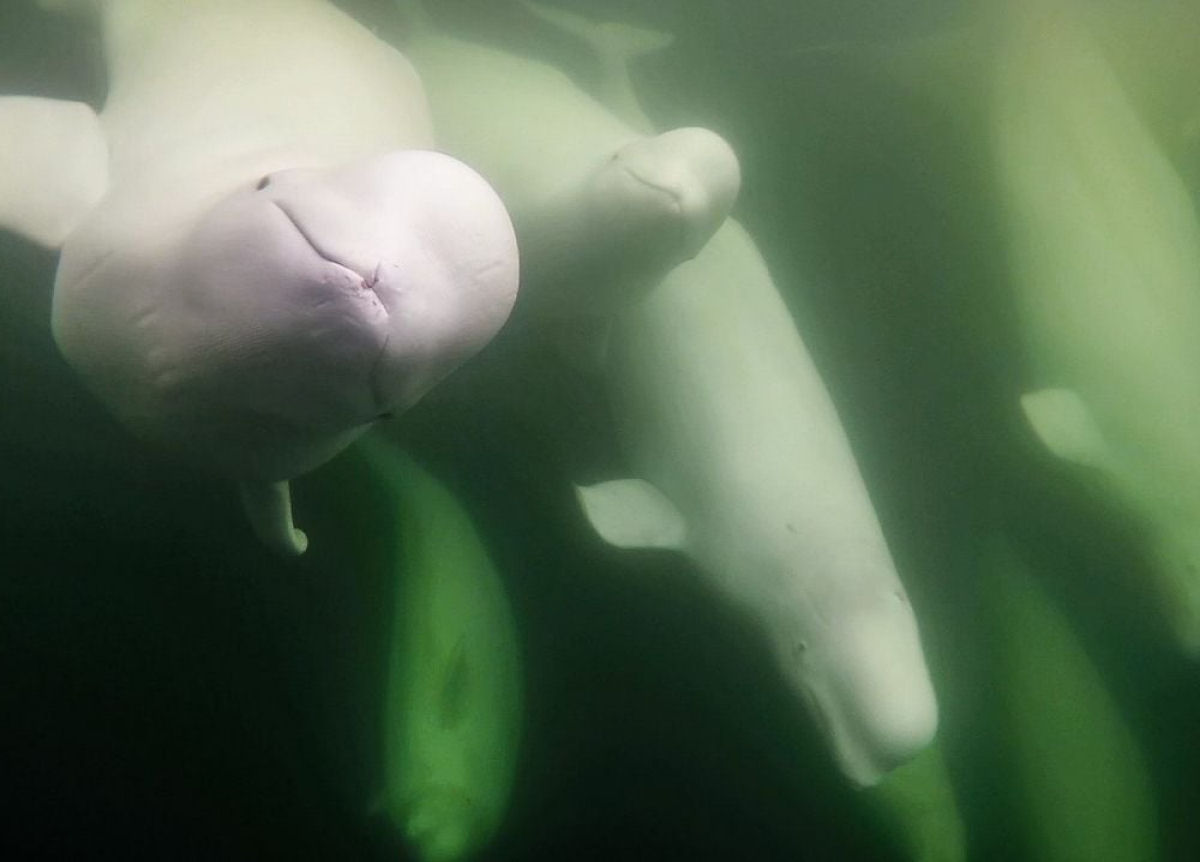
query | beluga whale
(262,253)
(601,207)
(1104,248)
(736,453)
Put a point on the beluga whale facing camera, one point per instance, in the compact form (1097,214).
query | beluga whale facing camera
(261,252)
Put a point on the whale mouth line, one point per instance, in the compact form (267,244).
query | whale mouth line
(672,193)
(320,251)
(855,768)
(370,283)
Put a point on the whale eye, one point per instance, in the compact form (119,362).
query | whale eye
(263,183)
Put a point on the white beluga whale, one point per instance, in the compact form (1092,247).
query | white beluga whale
(739,457)
(594,199)
(743,465)
(261,252)
(1105,251)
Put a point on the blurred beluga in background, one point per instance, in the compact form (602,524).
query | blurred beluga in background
(261,253)
(739,457)
(452,699)
(1104,245)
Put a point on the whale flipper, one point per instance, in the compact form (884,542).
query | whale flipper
(268,505)
(1064,424)
(632,513)
(53,166)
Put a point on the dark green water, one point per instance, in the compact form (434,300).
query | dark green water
(167,685)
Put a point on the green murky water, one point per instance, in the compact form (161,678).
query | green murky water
(168,685)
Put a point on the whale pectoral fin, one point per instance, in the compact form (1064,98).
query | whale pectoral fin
(53,166)
(268,505)
(632,513)
(1065,425)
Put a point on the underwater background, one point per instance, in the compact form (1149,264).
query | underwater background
(168,686)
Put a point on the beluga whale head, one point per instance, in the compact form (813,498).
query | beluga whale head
(672,189)
(842,632)
(864,681)
(261,336)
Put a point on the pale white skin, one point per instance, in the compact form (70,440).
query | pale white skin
(717,402)
(278,259)
(1105,247)
(721,409)
(591,196)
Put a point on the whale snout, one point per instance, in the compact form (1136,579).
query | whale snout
(870,691)
(676,188)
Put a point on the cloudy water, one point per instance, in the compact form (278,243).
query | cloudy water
(676,565)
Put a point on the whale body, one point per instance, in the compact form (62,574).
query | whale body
(742,464)
(739,457)
(261,252)
(1104,243)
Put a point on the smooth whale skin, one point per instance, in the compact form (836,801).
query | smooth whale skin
(278,258)
(1105,261)
(740,459)
(602,206)
(71,177)
(743,465)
